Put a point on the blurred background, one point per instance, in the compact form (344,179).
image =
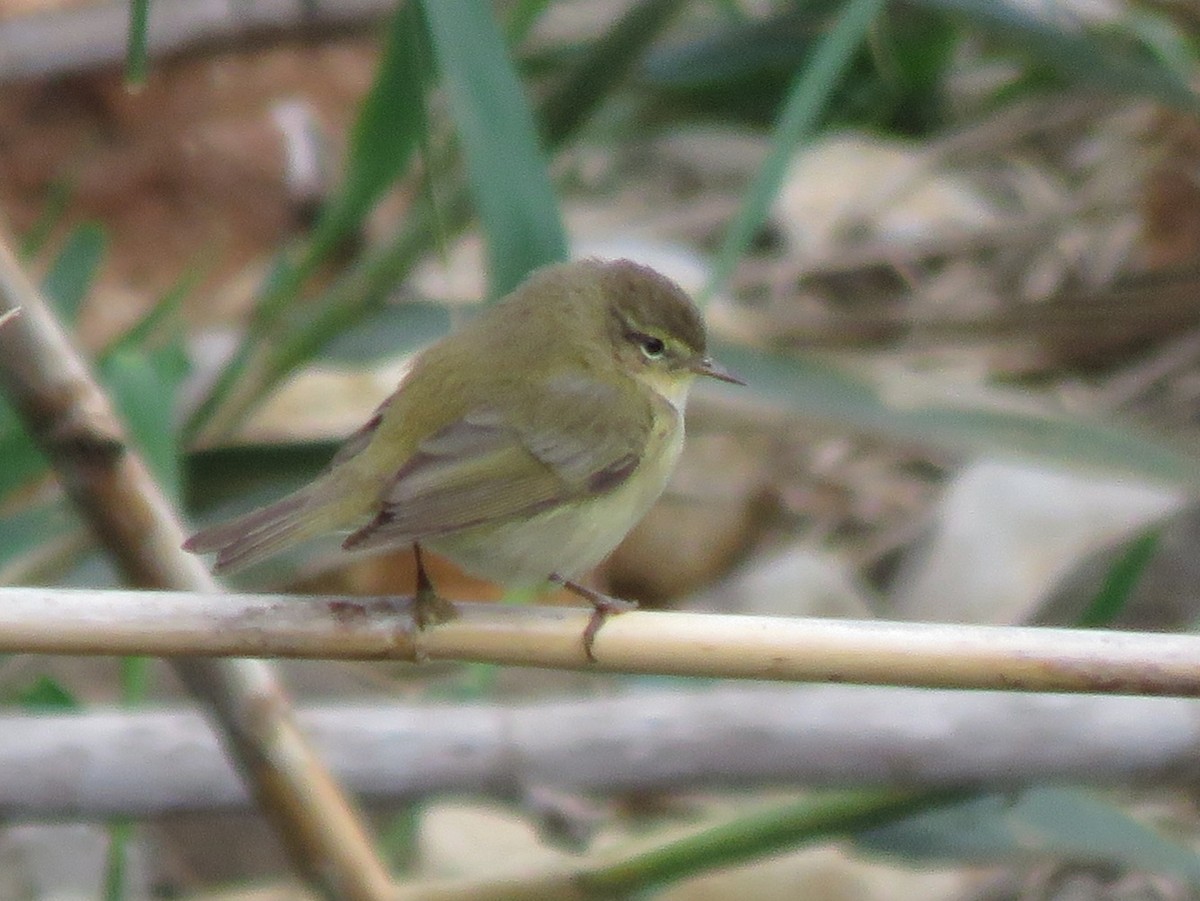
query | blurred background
(952,246)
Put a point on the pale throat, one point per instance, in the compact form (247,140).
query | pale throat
(671,387)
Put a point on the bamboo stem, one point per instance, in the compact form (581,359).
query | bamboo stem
(70,418)
(710,645)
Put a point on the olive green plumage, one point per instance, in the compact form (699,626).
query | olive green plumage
(526,443)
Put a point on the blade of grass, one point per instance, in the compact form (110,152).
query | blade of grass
(162,323)
(805,101)
(44,695)
(143,371)
(522,18)
(390,126)
(70,277)
(116,879)
(752,835)
(505,165)
(135,680)
(143,386)
(136,54)
(1121,579)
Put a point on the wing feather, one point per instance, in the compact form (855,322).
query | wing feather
(585,440)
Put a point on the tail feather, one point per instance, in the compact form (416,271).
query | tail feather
(260,533)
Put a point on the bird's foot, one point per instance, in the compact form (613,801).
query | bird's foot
(429,607)
(603,606)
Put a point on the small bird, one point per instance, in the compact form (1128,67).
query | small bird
(523,446)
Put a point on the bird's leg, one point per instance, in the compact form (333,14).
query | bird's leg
(603,606)
(429,608)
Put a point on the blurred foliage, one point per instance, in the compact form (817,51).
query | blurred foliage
(1074,826)
(794,69)
(743,71)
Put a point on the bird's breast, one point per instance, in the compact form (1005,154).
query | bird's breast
(572,537)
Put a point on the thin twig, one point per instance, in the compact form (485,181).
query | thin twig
(70,418)
(171,624)
(126,762)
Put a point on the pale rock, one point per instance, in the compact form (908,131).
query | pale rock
(464,840)
(798,581)
(1005,533)
(847,187)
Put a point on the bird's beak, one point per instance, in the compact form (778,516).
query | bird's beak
(713,369)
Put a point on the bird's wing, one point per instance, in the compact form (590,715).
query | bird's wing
(584,440)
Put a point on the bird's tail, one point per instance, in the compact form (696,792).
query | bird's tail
(263,532)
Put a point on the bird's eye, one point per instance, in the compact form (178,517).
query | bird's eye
(652,347)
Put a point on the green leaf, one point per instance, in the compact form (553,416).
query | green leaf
(901,404)
(26,530)
(1121,579)
(46,694)
(506,168)
(1064,823)
(143,386)
(388,333)
(116,872)
(22,458)
(73,271)
(162,325)
(390,126)
(521,19)
(143,370)
(399,837)
(1162,40)
(755,834)
(809,92)
(135,679)
(136,53)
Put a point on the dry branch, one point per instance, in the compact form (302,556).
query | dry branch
(70,418)
(133,763)
(171,624)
